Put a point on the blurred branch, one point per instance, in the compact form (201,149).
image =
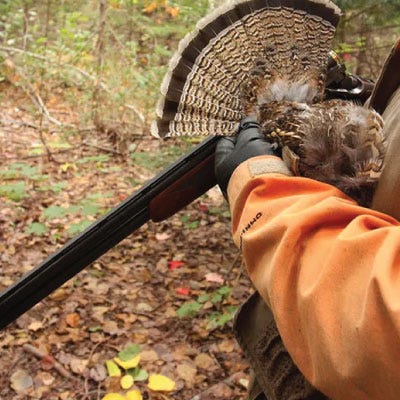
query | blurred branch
(82,72)
(359,12)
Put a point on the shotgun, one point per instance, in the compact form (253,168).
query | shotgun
(171,190)
(164,195)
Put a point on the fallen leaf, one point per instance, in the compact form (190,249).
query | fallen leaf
(226,346)
(149,356)
(129,352)
(35,326)
(214,277)
(173,11)
(47,362)
(78,366)
(21,381)
(113,396)
(140,375)
(150,8)
(162,236)
(112,368)
(204,361)
(128,364)
(98,373)
(160,383)
(175,264)
(244,382)
(134,395)
(184,291)
(127,382)
(45,378)
(219,391)
(187,373)
(110,327)
(73,320)
(203,207)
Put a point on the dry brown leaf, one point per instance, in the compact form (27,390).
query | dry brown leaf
(35,326)
(111,327)
(98,373)
(226,346)
(45,378)
(78,366)
(204,361)
(21,381)
(219,391)
(188,373)
(149,355)
(73,320)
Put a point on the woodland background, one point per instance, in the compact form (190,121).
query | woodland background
(78,86)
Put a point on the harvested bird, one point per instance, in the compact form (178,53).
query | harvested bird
(268,58)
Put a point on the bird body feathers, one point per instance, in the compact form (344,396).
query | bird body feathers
(268,58)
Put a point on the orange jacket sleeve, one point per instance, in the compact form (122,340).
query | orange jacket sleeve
(330,271)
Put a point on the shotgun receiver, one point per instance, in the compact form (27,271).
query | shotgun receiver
(171,190)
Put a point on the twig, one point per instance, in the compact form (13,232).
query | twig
(108,150)
(209,391)
(239,253)
(43,355)
(36,99)
(86,383)
(115,36)
(19,123)
(85,74)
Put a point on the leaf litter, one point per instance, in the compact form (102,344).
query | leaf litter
(156,308)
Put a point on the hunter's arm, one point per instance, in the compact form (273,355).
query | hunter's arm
(330,270)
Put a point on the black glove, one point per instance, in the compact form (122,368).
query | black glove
(233,150)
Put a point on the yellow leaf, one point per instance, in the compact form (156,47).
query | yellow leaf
(113,396)
(134,395)
(161,383)
(127,382)
(67,166)
(172,11)
(150,8)
(128,364)
(112,369)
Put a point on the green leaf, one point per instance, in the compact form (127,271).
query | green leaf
(36,229)
(79,227)
(90,209)
(14,191)
(224,291)
(55,187)
(189,309)
(95,328)
(138,374)
(216,298)
(203,298)
(129,352)
(53,212)
(99,158)
(193,225)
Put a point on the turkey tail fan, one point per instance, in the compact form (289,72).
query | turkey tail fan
(245,53)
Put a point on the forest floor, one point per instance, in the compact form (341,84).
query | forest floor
(131,295)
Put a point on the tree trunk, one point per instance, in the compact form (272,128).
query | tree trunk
(100,48)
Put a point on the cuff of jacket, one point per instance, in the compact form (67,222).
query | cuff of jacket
(252,168)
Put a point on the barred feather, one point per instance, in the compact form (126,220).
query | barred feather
(268,58)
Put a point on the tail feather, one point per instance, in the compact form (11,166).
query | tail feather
(230,63)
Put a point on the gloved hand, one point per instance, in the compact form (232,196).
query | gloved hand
(233,150)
